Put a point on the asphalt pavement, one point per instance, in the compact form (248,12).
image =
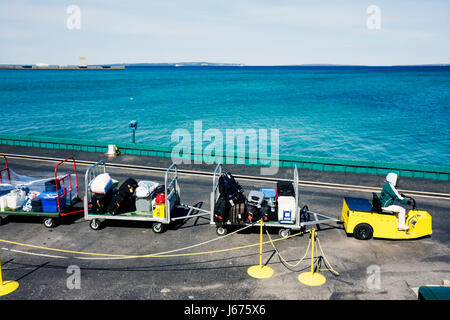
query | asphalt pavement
(375,269)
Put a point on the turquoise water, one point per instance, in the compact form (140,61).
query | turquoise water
(397,114)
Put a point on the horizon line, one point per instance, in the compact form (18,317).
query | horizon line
(231,64)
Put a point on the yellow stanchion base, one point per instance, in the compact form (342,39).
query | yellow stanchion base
(7,287)
(311,279)
(260,272)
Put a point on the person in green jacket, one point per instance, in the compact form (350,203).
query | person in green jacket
(389,194)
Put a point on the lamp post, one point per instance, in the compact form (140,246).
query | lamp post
(133,127)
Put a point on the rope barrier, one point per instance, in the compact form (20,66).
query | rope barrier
(283,259)
(166,254)
(169,254)
(330,268)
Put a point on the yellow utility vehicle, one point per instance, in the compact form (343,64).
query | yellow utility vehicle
(365,219)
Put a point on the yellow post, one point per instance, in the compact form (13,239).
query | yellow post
(260,271)
(312,278)
(313,240)
(260,241)
(8,286)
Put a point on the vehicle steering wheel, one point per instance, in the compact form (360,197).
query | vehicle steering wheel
(413,201)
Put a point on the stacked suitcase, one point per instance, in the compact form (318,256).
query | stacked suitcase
(271,205)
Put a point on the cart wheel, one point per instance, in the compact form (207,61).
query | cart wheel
(49,222)
(363,231)
(284,233)
(95,224)
(158,227)
(221,231)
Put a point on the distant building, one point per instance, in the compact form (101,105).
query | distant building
(82,62)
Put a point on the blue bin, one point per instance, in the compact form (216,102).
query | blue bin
(49,200)
(268,193)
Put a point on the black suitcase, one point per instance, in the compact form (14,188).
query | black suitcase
(230,188)
(238,212)
(128,187)
(253,214)
(272,215)
(121,204)
(285,188)
(123,200)
(36,205)
(221,208)
(159,189)
(100,202)
(265,212)
(51,185)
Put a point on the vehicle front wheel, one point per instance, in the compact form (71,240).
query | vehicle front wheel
(95,224)
(158,227)
(363,231)
(49,222)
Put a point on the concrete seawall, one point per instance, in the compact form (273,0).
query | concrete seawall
(320,166)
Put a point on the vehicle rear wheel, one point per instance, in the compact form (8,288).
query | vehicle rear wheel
(284,233)
(363,231)
(221,231)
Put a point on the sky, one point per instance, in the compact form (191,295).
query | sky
(251,32)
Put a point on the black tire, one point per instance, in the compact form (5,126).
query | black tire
(363,231)
(221,231)
(49,222)
(284,233)
(1,220)
(95,224)
(158,227)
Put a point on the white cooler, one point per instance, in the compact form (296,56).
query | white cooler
(286,210)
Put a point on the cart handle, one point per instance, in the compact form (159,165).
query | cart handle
(6,168)
(74,172)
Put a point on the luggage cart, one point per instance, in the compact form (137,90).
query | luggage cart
(303,217)
(66,199)
(172,199)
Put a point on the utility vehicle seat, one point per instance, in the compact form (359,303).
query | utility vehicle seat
(376,205)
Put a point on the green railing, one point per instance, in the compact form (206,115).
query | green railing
(245,158)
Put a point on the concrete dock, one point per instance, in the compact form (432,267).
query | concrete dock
(403,265)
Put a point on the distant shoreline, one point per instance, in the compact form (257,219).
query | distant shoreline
(122,66)
(34,67)
(209,64)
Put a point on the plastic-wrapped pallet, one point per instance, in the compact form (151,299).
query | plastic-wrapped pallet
(15,199)
(145,188)
(3,203)
(144,195)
